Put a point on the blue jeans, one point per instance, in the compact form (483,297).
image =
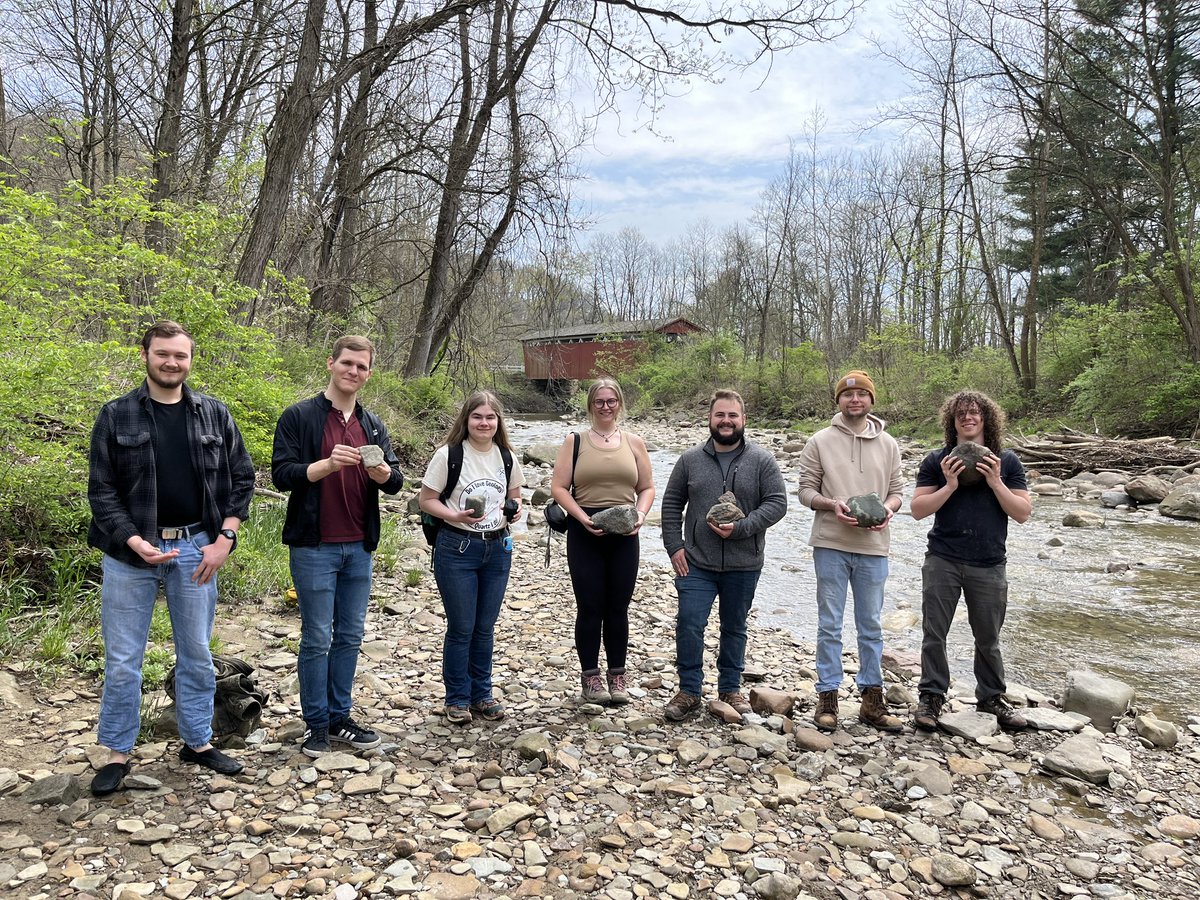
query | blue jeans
(866,576)
(127,597)
(697,590)
(471,576)
(333,583)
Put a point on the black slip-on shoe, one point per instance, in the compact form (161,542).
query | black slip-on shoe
(110,778)
(212,758)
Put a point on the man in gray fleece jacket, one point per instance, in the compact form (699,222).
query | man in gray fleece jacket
(712,560)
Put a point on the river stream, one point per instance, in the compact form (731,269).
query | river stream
(1141,625)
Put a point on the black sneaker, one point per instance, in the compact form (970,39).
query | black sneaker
(316,742)
(350,732)
(212,758)
(1003,711)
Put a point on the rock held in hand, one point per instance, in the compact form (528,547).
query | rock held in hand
(476,505)
(725,510)
(970,453)
(616,519)
(371,454)
(868,509)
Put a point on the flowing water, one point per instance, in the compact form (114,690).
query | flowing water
(1065,612)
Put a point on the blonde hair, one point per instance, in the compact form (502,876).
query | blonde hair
(598,385)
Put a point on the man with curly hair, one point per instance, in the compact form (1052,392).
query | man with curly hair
(966,555)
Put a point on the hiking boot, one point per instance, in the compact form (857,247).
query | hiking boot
(618,691)
(458,715)
(738,701)
(489,709)
(929,710)
(594,690)
(681,706)
(350,732)
(825,716)
(316,742)
(874,712)
(1003,711)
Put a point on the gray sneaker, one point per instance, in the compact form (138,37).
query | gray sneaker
(594,689)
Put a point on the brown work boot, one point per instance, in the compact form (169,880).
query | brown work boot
(1003,711)
(826,715)
(929,711)
(681,706)
(873,711)
(738,701)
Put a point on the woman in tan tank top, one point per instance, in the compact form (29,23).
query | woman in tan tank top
(613,469)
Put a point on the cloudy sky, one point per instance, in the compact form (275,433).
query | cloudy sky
(716,147)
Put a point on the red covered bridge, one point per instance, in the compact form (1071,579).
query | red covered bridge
(571,352)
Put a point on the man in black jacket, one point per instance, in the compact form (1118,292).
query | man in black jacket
(169,483)
(332,528)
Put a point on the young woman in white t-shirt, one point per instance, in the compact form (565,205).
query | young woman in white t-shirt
(473,551)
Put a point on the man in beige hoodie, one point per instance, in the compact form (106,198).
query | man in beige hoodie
(853,456)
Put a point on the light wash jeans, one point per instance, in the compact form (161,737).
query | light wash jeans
(127,597)
(697,590)
(471,576)
(865,575)
(333,584)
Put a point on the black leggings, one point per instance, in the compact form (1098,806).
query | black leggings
(603,574)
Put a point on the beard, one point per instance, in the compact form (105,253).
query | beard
(166,380)
(732,439)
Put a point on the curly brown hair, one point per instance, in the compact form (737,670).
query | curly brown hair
(993,418)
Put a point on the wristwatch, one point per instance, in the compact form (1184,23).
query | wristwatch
(232,535)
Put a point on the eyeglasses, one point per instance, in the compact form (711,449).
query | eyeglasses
(857,395)
(968,414)
(610,401)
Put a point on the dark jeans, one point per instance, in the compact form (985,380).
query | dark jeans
(697,590)
(603,575)
(985,589)
(471,576)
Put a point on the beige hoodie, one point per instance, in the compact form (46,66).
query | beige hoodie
(837,463)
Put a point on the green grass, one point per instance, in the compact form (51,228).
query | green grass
(259,565)
(413,577)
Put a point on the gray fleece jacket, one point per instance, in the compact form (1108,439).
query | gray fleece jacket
(696,483)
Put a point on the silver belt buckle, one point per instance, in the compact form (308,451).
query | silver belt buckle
(173,534)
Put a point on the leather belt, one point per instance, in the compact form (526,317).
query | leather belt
(183,532)
(497,535)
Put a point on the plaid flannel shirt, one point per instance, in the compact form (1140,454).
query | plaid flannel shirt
(123,463)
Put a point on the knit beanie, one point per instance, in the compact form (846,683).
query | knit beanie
(855,381)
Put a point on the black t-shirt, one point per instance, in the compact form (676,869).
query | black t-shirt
(179,500)
(971,527)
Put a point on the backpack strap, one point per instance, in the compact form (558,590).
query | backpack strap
(507,456)
(574,459)
(454,464)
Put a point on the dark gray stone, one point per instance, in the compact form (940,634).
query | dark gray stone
(616,519)
(725,510)
(1183,502)
(970,453)
(476,505)
(54,789)
(868,509)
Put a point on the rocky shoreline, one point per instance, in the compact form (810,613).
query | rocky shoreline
(564,800)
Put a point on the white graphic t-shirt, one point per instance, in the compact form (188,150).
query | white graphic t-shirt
(482,475)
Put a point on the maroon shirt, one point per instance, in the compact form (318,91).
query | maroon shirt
(344,493)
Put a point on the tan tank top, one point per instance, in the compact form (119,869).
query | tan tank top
(605,478)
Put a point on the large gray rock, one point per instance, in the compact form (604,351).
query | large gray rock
(725,510)
(1078,756)
(1147,488)
(970,453)
(969,724)
(1083,518)
(951,871)
(868,509)
(1183,502)
(769,702)
(534,745)
(1100,699)
(1045,719)
(1113,499)
(617,519)
(54,789)
(777,886)
(543,453)
(1156,731)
